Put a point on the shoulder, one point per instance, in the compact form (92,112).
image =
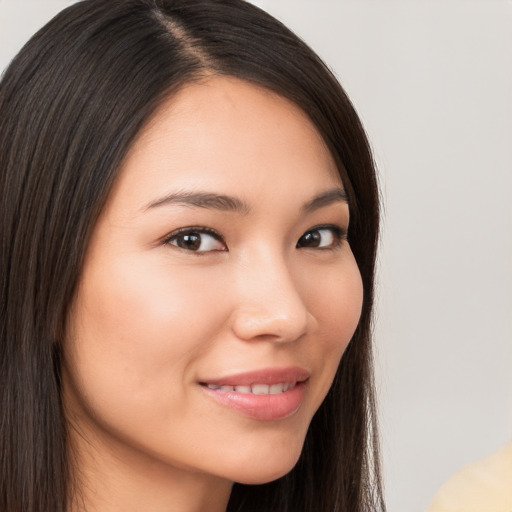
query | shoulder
(484,486)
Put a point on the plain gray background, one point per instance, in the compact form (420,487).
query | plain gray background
(432,81)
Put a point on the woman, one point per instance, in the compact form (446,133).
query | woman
(179,295)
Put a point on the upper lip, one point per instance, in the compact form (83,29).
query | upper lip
(263,376)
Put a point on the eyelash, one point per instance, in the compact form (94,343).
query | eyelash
(193,230)
(339,236)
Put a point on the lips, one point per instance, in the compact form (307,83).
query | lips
(267,376)
(268,394)
(256,389)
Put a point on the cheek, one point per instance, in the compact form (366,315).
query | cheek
(135,330)
(344,309)
(336,300)
(336,303)
(143,308)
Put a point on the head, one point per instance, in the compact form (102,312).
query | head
(80,110)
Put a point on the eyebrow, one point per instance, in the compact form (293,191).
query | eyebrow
(327,198)
(223,202)
(203,200)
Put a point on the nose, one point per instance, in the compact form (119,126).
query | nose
(269,304)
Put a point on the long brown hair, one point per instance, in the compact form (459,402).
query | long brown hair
(71,103)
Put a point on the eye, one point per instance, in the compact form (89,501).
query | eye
(196,240)
(322,237)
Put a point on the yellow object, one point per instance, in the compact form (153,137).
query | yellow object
(484,486)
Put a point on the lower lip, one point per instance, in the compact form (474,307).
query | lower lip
(262,407)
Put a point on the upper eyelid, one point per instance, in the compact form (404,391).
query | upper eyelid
(333,227)
(340,231)
(193,229)
(168,240)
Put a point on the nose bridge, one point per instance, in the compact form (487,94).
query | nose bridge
(269,302)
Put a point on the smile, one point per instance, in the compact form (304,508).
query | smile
(266,395)
(256,389)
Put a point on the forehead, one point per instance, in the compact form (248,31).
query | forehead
(230,134)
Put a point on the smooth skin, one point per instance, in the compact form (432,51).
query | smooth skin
(178,288)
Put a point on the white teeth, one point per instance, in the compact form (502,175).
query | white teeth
(255,389)
(275,389)
(260,389)
(243,389)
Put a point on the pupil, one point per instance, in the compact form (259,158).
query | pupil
(191,241)
(311,239)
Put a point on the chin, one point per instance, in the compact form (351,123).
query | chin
(262,472)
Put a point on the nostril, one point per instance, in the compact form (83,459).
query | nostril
(269,305)
(268,324)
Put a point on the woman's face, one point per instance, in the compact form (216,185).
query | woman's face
(218,291)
